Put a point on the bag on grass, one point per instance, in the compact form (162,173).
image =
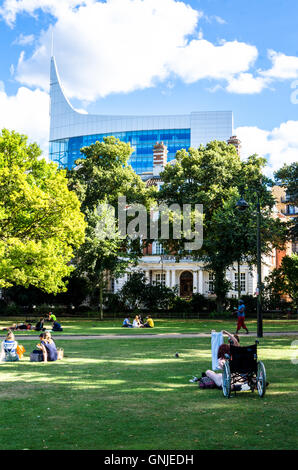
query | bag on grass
(36,356)
(20,351)
(206,382)
(60,353)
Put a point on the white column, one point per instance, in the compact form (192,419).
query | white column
(168,278)
(195,282)
(173,276)
(147,275)
(201,284)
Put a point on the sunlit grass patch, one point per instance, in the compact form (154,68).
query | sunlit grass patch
(113,394)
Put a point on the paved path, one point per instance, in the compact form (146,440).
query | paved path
(150,336)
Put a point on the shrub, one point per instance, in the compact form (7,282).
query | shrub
(113,303)
(181,305)
(158,297)
(199,303)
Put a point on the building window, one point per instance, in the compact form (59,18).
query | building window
(242,282)
(292,210)
(211,283)
(158,249)
(160,278)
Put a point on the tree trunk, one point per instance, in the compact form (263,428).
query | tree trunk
(101,285)
(239,281)
(220,289)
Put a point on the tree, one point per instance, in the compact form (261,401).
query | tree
(41,221)
(99,180)
(287,177)
(215,176)
(284,280)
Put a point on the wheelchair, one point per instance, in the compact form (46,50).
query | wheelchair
(242,367)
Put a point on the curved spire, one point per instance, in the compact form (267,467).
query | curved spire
(55,84)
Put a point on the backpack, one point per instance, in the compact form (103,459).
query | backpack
(206,382)
(36,356)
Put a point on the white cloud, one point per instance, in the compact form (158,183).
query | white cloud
(283,67)
(127,45)
(24,40)
(246,83)
(27,112)
(279,146)
(220,20)
(11,8)
(202,59)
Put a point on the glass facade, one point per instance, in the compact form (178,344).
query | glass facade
(66,151)
(71,130)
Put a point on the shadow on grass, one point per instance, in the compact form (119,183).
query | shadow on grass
(115,394)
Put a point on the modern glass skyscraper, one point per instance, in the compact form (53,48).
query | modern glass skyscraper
(71,130)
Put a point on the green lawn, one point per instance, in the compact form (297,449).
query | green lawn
(108,327)
(132,394)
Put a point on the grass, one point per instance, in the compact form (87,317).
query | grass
(132,394)
(162,326)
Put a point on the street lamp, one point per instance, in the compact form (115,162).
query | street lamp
(242,205)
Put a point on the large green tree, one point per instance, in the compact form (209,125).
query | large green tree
(40,218)
(215,176)
(284,280)
(99,180)
(287,177)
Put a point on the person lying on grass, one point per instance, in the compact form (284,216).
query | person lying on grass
(221,355)
(21,326)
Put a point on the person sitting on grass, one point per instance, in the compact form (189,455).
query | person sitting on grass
(9,348)
(48,348)
(56,326)
(149,322)
(39,325)
(38,349)
(136,323)
(126,322)
(51,317)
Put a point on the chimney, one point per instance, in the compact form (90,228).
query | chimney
(236,142)
(160,153)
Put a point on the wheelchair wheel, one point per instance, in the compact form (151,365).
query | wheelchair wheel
(261,379)
(226,380)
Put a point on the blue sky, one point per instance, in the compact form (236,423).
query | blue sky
(156,57)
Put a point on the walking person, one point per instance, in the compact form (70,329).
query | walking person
(241,317)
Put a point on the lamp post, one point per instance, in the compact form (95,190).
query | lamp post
(242,205)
